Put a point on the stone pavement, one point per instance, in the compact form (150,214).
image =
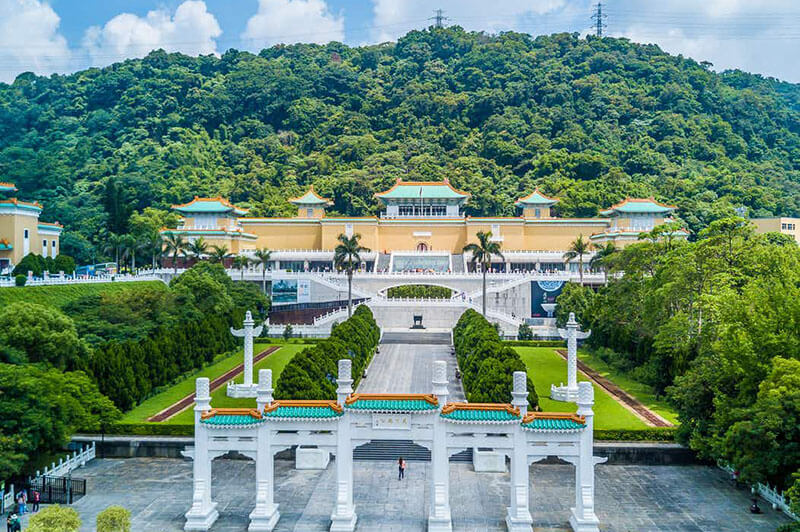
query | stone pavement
(408,368)
(157,491)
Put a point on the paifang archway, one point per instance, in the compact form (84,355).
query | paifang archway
(446,428)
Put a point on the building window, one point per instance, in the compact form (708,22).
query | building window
(44,248)
(783,227)
(348,230)
(25,234)
(309,213)
(537,213)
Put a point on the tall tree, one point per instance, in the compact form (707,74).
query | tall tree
(241,262)
(198,247)
(114,245)
(576,250)
(262,257)
(218,254)
(602,257)
(347,257)
(482,252)
(174,245)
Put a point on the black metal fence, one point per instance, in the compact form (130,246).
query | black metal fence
(58,490)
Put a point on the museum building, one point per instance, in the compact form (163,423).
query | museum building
(21,232)
(423,228)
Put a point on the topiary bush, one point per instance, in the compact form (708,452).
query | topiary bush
(114,519)
(311,374)
(54,519)
(487,364)
(20,280)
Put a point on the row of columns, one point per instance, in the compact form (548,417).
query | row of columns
(203,512)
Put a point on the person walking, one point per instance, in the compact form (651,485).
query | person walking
(35,497)
(401,468)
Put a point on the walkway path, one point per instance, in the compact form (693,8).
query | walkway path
(620,395)
(408,368)
(158,491)
(187,401)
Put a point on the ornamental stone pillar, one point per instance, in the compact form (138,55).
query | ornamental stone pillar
(264,390)
(583,518)
(518,515)
(265,515)
(439,519)
(344,515)
(571,334)
(248,333)
(203,512)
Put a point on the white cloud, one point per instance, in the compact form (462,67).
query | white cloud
(30,40)
(289,21)
(393,18)
(191,30)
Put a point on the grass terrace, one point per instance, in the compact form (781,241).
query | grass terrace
(546,367)
(275,361)
(61,295)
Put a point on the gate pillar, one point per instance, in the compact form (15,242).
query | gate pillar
(439,519)
(518,515)
(265,515)
(203,512)
(344,515)
(583,518)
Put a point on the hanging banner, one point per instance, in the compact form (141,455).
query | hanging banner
(284,291)
(304,290)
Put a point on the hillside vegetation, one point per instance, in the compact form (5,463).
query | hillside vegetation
(589,120)
(60,296)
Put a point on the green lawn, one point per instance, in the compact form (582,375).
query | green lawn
(61,295)
(642,392)
(178,391)
(546,367)
(219,399)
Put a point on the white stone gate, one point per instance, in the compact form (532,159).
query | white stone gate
(427,419)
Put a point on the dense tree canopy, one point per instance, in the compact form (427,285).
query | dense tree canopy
(590,120)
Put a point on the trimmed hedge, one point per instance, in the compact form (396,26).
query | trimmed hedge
(311,374)
(536,343)
(650,434)
(487,364)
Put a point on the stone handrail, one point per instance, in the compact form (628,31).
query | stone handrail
(52,281)
(73,462)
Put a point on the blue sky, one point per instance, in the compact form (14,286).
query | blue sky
(48,36)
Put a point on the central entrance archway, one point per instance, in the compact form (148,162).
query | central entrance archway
(422,246)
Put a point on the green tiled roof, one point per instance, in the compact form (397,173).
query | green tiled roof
(231,420)
(422,190)
(209,206)
(6,247)
(389,405)
(7,187)
(477,416)
(536,198)
(302,412)
(553,425)
(310,198)
(638,206)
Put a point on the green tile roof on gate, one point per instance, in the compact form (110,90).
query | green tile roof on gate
(302,409)
(411,402)
(209,205)
(638,206)
(422,190)
(480,412)
(553,422)
(231,417)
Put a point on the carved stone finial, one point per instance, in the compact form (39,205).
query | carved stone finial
(585,393)
(265,379)
(202,389)
(248,318)
(440,371)
(571,321)
(520,382)
(345,369)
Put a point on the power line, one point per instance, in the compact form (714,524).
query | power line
(439,18)
(598,17)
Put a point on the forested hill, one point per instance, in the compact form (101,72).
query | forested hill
(589,120)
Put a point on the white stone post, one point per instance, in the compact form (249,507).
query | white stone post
(344,515)
(265,515)
(518,515)
(264,390)
(439,519)
(571,334)
(583,518)
(247,332)
(203,512)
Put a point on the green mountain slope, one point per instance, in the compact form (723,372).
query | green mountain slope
(589,120)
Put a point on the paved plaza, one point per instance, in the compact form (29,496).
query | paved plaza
(158,491)
(408,368)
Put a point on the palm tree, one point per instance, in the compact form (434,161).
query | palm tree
(131,245)
(482,253)
(174,245)
(198,247)
(577,250)
(347,256)
(241,262)
(114,243)
(601,257)
(219,254)
(154,243)
(263,256)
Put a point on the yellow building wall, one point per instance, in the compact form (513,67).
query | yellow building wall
(287,235)
(368,229)
(512,234)
(443,237)
(769,225)
(556,237)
